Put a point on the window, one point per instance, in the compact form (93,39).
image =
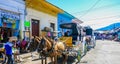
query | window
(52,25)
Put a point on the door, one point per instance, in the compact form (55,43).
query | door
(35,27)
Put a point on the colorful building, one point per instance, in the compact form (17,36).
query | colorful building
(41,15)
(64,18)
(11,17)
(45,14)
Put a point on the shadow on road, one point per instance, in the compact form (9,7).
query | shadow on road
(70,60)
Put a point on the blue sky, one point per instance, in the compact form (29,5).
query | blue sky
(74,6)
(105,12)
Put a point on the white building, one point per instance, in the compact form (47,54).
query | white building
(43,20)
(41,16)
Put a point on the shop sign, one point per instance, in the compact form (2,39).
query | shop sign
(9,17)
(8,20)
(27,23)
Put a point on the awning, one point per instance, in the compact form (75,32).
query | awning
(110,27)
(68,25)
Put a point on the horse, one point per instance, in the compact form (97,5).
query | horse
(48,47)
(32,46)
(88,40)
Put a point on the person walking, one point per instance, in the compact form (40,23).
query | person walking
(8,50)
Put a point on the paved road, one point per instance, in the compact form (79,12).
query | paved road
(35,60)
(105,52)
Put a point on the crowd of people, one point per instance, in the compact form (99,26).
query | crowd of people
(108,36)
(12,48)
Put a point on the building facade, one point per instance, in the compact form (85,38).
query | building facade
(11,17)
(39,20)
(41,16)
(64,18)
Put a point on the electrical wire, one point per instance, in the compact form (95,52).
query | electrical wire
(98,8)
(104,17)
(91,8)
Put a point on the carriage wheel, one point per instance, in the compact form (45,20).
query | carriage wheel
(3,58)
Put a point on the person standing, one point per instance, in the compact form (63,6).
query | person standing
(66,33)
(8,50)
(49,34)
(23,45)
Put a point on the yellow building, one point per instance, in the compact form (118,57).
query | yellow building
(43,6)
(41,14)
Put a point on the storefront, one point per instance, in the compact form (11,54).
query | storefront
(9,24)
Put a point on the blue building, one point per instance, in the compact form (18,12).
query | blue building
(64,18)
(11,17)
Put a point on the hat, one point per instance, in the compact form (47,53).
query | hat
(13,38)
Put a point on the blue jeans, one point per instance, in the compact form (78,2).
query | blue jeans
(10,59)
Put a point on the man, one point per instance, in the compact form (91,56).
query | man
(8,50)
(66,33)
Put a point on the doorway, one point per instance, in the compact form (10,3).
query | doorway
(5,33)
(35,27)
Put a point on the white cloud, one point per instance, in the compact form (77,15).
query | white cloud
(101,17)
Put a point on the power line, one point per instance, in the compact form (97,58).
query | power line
(91,7)
(105,17)
(107,6)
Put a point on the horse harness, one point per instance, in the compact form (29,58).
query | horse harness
(41,47)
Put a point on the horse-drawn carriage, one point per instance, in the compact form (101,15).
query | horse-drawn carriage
(63,47)
(72,38)
(69,44)
(77,38)
(88,37)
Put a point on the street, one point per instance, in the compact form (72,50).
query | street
(105,52)
(28,26)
